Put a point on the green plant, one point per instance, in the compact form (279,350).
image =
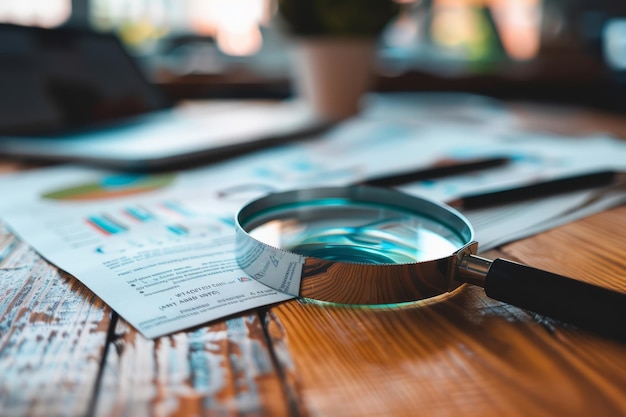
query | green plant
(362,18)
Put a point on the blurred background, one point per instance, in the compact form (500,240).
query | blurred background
(570,51)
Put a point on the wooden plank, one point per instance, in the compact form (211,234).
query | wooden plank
(52,335)
(8,165)
(52,341)
(590,250)
(467,354)
(223,369)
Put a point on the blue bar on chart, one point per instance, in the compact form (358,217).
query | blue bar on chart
(139,213)
(177,208)
(105,224)
(178,229)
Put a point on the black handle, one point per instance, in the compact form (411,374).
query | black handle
(587,306)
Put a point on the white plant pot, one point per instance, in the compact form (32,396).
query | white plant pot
(331,75)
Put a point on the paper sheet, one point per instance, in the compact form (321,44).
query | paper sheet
(159,248)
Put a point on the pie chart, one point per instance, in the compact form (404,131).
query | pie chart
(111,187)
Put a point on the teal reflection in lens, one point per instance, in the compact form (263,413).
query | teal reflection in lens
(396,245)
(357,233)
(349,253)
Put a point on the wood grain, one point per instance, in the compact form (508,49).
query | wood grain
(466,355)
(223,369)
(53,333)
(64,353)
(571,121)
(52,336)
(12,166)
(590,250)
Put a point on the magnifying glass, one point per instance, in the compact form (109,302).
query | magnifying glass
(370,245)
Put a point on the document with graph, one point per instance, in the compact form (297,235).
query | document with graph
(162,262)
(159,248)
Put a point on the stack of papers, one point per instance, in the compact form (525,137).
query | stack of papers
(159,249)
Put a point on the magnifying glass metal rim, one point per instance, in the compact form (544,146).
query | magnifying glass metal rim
(592,307)
(350,282)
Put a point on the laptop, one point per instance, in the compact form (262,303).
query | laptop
(77,95)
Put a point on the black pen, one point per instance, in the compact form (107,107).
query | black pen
(432,172)
(540,189)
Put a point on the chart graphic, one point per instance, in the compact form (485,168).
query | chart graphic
(111,187)
(142,226)
(105,224)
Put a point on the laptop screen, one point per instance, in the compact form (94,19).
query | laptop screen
(56,80)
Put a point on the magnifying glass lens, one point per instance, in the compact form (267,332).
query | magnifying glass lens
(368,245)
(355,232)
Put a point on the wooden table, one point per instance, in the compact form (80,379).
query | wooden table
(63,352)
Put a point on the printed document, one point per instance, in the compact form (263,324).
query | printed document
(159,248)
